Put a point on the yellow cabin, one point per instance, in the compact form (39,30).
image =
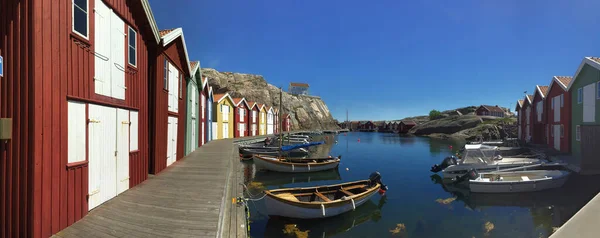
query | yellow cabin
(262,122)
(223,112)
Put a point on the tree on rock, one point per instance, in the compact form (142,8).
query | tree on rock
(435,114)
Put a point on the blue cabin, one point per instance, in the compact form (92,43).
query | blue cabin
(209,116)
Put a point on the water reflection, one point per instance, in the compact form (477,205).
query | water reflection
(328,227)
(548,209)
(438,146)
(391,138)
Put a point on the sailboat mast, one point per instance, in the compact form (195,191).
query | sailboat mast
(280,119)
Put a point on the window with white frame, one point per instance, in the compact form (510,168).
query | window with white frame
(132,47)
(577,133)
(202,102)
(579,95)
(253,116)
(539,110)
(80,17)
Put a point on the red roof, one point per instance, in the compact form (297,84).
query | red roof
(595,59)
(193,64)
(218,97)
(543,90)
(237,101)
(251,104)
(529,97)
(299,84)
(493,108)
(564,80)
(164,32)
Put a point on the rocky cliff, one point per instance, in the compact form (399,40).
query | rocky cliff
(307,112)
(461,123)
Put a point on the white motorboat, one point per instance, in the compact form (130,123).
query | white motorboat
(483,158)
(517,181)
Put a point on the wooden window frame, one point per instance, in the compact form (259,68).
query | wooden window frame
(166,78)
(129,46)
(87,13)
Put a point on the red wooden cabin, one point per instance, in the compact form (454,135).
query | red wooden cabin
(487,110)
(168,90)
(528,118)
(70,85)
(241,116)
(405,126)
(539,129)
(253,119)
(287,122)
(558,117)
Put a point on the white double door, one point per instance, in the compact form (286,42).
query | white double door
(108,153)
(556,129)
(242,129)
(172,140)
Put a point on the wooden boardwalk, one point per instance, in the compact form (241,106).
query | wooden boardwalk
(191,198)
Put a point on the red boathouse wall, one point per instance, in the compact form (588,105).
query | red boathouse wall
(45,65)
(539,127)
(565,117)
(175,54)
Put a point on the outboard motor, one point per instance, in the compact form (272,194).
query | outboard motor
(375,178)
(471,174)
(450,160)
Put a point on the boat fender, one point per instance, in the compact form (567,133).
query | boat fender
(308,167)
(353,205)
(323,209)
(293,167)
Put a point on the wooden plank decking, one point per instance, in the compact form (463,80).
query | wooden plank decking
(191,198)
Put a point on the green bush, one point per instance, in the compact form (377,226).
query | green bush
(434,114)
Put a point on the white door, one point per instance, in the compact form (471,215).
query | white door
(557,137)
(122,150)
(242,128)
(202,135)
(214,131)
(225,130)
(253,129)
(225,110)
(589,103)
(102,72)
(193,143)
(102,170)
(117,56)
(171,140)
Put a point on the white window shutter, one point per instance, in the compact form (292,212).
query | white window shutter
(102,58)
(76,131)
(117,44)
(133,131)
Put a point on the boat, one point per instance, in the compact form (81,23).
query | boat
(246,152)
(483,158)
(284,164)
(322,201)
(516,181)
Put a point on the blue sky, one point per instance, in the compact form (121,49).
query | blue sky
(385,60)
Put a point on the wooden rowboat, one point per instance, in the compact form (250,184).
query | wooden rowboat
(322,201)
(282,164)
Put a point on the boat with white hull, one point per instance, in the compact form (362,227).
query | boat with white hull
(322,201)
(482,158)
(518,181)
(296,165)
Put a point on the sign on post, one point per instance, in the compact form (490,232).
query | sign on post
(1,66)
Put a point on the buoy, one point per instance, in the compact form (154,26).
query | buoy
(358,139)
(347,169)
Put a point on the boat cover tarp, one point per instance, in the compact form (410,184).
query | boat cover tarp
(298,146)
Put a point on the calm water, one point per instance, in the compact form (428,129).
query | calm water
(417,204)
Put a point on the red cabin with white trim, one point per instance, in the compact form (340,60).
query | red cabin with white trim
(168,90)
(558,117)
(70,85)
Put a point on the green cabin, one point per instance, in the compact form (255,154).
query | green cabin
(192,134)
